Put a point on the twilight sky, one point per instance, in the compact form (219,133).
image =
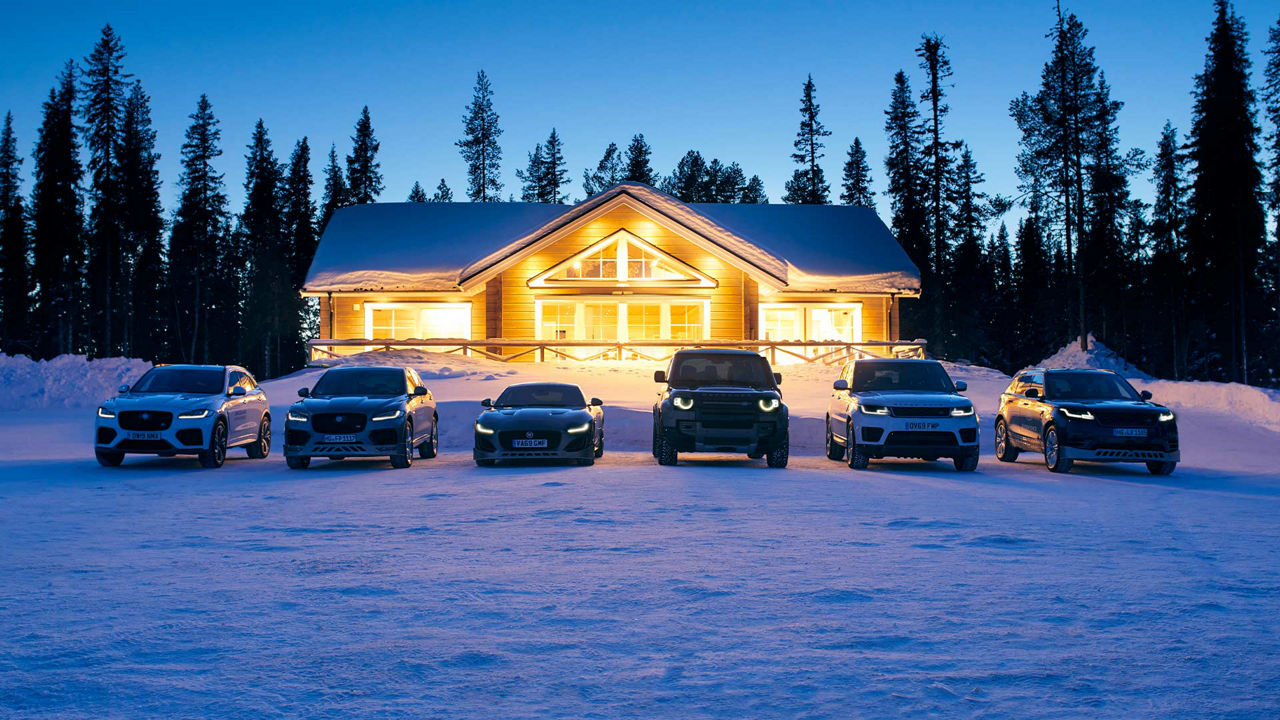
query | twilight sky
(721,78)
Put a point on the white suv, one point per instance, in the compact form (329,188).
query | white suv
(196,410)
(900,408)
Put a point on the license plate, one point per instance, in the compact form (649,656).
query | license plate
(339,438)
(922,426)
(1130,432)
(535,443)
(142,436)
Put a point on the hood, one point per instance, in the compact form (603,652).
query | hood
(906,398)
(166,401)
(347,404)
(534,417)
(724,389)
(1119,406)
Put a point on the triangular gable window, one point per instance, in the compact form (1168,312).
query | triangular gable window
(622,259)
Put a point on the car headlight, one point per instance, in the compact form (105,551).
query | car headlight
(682,402)
(482,429)
(769,404)
(965,411)
(194,414)
(296,416)
(387,415)
(579,429)
(1166,416)
(873,409)
(1077,414)
(105,413)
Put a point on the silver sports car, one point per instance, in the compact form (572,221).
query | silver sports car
(532,421)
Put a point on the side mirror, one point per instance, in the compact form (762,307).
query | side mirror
(841,385)
(419,390)
(659,376)
(486,402)
(238,391)
(961,386)
(1145,394)
(777,378)
(122,389)
(596,402)
(303,392)
(1032,393)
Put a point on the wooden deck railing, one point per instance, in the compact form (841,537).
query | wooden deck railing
(811,351)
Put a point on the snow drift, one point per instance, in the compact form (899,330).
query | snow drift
(70,381)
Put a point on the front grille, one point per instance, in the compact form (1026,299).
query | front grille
(737,421)
(339,423)
(920,437)
(507,436)
(145,420)
(191,436)
(384,436)
(105,436)
(919,412)
(296,437)
(1112,418)
(144,445)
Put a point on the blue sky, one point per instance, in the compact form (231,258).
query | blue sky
(722,78)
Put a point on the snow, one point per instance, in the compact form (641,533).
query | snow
(715,589)
(1097,357)
(67,381)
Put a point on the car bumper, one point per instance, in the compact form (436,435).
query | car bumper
(1083,440)
(377,440)
(1121,454)
(691,433)
(182,437)
(560,445)
(891,436)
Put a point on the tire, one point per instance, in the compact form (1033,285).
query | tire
(106,458)
(1053,452)
(261,447)
(835,451)
(779,454)
(431,447)
(485,463)
(667,453)
(1161,467)
(600,448)
(655,436)
(216,454)
(856,455)
(1005,451)
(405,459)
(967,463)
(297,462)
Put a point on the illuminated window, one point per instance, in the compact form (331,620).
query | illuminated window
(686,322)
(600,321)
(644,321)
(834,324)
(644,264)
(621,258)
(398,323)
(557,320)
(783,324)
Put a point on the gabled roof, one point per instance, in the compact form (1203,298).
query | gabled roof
(449,246)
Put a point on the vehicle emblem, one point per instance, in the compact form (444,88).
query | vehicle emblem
(529,434)
(338,419)
(146,416)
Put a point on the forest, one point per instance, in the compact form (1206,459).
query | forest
(1186,285)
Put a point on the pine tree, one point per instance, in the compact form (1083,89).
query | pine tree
(15,270)
(1034,271)
(57,227)
(479,146)
(1271,278)
(638,168)
(103,87)
(142,229)
(335,190)
(1225,227)
(416,193)
(689,182)
(554,173)
(727,182)
(1168,263)
(300,248)
(903,175)
(808,185)
(609,172)
(532,177)
(270,317)
(967,294)
(999,332)
(857,178)
(202,262)
(932,52)
(443,193)
(364,174)
(753,192)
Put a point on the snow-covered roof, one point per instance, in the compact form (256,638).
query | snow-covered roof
(440,246)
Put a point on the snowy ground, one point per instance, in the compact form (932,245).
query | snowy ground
(718,588)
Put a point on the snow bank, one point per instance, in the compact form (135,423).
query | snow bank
(70,381)
(1097,357)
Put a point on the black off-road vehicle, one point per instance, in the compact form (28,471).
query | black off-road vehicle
(723,401)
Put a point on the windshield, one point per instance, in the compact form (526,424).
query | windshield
(373,382)
(905,376)
(199,381)
(541,396)
(693,371)
(1088,386)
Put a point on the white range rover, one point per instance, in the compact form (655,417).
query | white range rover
(900,408)
(196,410)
